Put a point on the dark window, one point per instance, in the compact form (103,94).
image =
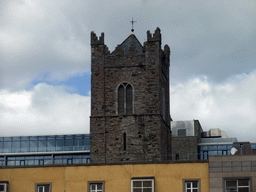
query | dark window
(129,99)
(237,185)
(22,162)
(205,154)
(125,99)
(121,99)
(142,185)
(212,148)
(41,162)
(3,186)
(182,132)
(177,157)
(69,161)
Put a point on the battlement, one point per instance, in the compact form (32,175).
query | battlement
(167,51)
(156,35)
(95,40)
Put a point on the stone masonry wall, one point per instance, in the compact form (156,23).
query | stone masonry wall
(185,147)
(148,128)
(198,130)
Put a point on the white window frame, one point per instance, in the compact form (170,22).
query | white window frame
(237,187)
(186,181)
(43,185)
(143,179)
(5,187)
(91,183)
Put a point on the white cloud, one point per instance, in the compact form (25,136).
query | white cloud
(37,40)
(230,105)
(45,109)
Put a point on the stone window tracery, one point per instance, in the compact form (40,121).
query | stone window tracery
(125,99)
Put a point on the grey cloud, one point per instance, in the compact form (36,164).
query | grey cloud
(38,41)
(212,38)
(229,105)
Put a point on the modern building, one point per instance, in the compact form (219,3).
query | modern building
(191,142)
(186,135)
(45,150)
(232,173)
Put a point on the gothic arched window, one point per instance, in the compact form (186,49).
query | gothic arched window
(125,95)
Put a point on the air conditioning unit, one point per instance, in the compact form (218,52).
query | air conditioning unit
(3,187)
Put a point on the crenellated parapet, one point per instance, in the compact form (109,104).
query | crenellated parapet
(167,51)
(107,52)
(95,40)
(155,37)
(118,50)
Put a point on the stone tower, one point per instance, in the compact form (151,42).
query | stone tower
(130,105)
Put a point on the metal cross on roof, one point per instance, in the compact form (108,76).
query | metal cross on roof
(132,24)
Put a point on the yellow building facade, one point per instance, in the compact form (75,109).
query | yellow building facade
(163,176)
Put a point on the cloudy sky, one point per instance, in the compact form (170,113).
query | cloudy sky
(45,60)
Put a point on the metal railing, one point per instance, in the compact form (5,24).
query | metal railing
(146,158)
(108,159)
(44,149)
(44,162)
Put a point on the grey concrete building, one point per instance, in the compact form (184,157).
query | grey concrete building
(130,107)
(232,173)
(235,172)
(186,135)
(191,143)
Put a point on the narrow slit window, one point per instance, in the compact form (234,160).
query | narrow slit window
(124,139)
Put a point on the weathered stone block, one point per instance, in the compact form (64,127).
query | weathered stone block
(226,164)
(236,163)
(236,169)
(226,169)
(215,182)
(215,170)
(215,164)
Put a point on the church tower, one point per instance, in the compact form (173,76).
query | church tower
(130,101)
